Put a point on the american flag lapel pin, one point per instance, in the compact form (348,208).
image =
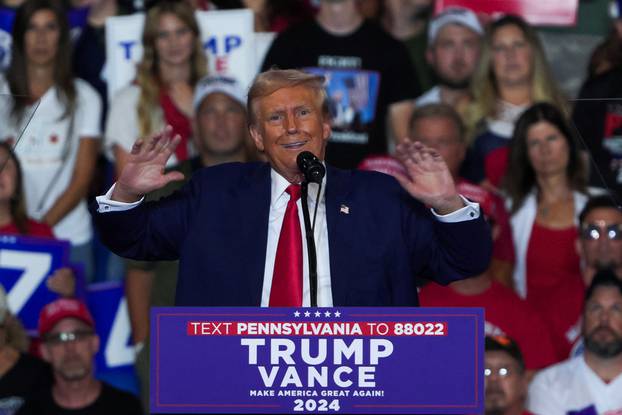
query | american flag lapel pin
(344,209)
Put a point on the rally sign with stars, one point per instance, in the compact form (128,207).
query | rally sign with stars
(341,360)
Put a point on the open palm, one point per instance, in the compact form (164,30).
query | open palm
(429,178)
(145,168)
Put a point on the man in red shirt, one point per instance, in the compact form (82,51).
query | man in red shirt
(440,127)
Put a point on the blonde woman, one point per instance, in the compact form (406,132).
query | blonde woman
(512,74)
(173,61)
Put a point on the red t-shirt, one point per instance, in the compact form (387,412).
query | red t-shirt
(506,314)
(33,229)
(563,315)
(552,263)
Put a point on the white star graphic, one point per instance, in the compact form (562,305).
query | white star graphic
(296,313)
(317,314)
(327,314)
(337,314)
(307,314)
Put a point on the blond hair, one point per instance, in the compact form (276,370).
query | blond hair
(266,83)
(147,74)
(484,88)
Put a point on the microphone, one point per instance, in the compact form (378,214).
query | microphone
(314,172)
(311,167)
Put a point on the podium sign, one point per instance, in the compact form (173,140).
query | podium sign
(325,360)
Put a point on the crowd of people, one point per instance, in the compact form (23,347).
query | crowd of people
(545,169)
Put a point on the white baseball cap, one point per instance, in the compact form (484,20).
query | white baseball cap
(218,83)
(455,15)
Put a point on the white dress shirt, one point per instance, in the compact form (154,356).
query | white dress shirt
(278,204)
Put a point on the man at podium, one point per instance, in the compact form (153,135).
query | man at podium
(238,229)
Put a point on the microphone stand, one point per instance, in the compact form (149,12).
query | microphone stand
(311,253)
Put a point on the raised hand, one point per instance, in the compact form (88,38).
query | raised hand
(429,178)
(62,282)
(144,171)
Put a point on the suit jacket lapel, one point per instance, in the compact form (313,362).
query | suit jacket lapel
(254,202)
(339,222)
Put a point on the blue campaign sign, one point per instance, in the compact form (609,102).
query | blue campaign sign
(326,360)
(115,360)
(25,264)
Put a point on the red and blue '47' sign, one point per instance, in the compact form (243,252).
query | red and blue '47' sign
(25,265)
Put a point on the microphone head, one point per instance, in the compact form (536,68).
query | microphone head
(303,160)
(311,167)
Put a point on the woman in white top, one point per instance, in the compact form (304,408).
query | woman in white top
(173,62)
(52,120)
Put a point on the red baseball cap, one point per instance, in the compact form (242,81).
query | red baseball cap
(384,164)
(60,309)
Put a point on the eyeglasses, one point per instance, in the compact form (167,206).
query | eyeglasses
(55,339)
(593,232)
(502,372)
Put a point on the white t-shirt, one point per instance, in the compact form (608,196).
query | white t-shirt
(572,386)
(432,96)
(44,152)
(122,124)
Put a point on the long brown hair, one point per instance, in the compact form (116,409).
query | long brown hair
(18,201)
(17,72)
(147,75)
(520,178)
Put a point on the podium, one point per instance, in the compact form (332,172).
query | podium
(317,360)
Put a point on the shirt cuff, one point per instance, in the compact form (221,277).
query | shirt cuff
(468,212)
(106,204)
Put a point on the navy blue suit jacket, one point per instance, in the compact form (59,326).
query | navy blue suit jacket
(217,226)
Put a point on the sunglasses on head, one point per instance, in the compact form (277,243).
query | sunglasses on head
(593,232)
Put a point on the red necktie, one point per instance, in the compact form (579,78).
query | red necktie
(286,288)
